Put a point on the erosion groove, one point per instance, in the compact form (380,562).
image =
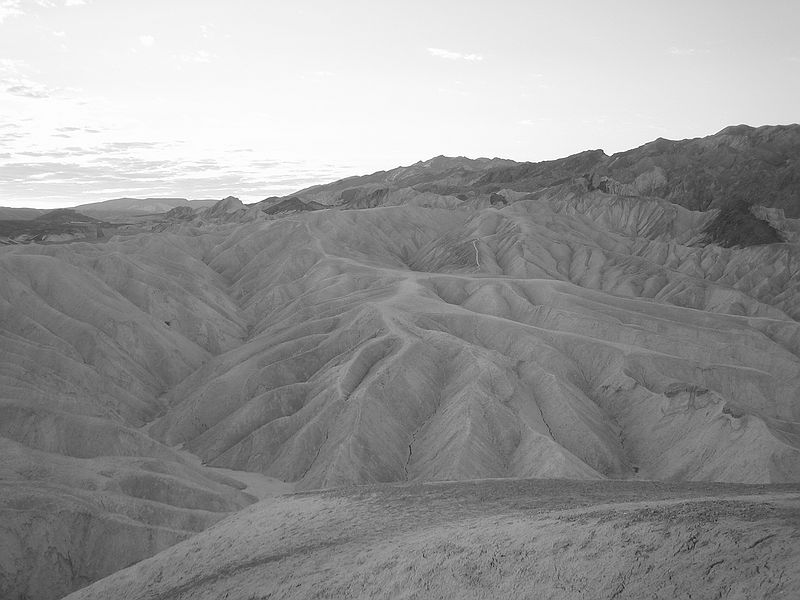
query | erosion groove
(453,320)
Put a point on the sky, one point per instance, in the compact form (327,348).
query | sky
(102,99)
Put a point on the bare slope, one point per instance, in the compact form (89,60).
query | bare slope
(565,336)
(498,539)
(557,332)
(90,337)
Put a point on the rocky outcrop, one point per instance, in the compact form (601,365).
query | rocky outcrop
(180,213)
(737,225)
(230,210)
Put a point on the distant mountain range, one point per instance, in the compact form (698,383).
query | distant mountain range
(59,226)
(142,205)
(740,163)
(114,207)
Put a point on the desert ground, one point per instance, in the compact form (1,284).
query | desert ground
(460,378)
(488,539)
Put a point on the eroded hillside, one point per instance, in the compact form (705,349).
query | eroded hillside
(410,333)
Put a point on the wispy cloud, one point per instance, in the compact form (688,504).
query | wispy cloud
(450,55)
(10,66)
(677,51)
(140,169)
(147,40)
(124,146)
(77,130)
(198,57)
(8,137)
(26,89)
(10,8)
(536,121)
(17,79)
(74,2)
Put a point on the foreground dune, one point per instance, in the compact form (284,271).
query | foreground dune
(488,539)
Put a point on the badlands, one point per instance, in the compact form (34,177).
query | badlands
(458,379)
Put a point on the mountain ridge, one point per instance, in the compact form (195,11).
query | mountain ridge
(771,167)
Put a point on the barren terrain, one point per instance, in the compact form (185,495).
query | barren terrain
(453,320)
(488,539)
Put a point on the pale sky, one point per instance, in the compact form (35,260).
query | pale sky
(202,99)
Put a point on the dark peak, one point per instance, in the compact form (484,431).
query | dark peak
(737,130)
(229,203)
(587,158)
(737,226)
(764,132)
(443,162)
(597,154)
(225,206)
(659,145)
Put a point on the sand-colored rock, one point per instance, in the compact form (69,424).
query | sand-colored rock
(498,539)
(67,521)
(486,344)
